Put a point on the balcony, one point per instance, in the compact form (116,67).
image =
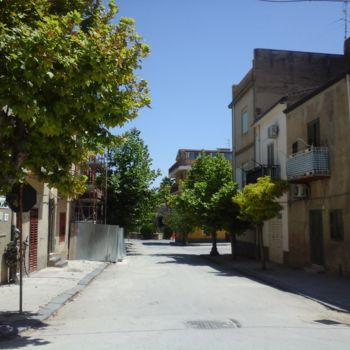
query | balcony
(309,165)
(273,171)
(182,164)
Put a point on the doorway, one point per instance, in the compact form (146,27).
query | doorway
(316,237)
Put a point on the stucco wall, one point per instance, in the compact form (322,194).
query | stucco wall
(331,107)
(277,72)
(277,117)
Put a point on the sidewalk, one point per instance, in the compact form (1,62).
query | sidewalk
(333,292)
(44,292)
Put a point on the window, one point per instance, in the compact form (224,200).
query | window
(295,147)
(191,155)
(228,156)
(313,133)
(245,121)
(336,224)
(270,154)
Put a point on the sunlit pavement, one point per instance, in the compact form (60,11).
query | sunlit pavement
(167,297)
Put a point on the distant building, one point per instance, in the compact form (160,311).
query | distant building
(185,158)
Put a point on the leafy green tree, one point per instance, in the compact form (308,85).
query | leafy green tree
(164,195)
(258,203)
(178,219)
(164,190)
(131,200)
(66,77)
(226,213)
(207,176)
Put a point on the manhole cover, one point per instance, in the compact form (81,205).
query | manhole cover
(211,324)
(330,322)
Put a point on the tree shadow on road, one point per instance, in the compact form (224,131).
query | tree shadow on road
(326,290)
(130,250)
(193,260)
(158,243)
(13,323)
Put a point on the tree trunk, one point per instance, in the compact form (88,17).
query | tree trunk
(261,244)
(214,249)
(233,246)
(185,239)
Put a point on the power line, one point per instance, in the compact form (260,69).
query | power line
(345,9)
(305,0)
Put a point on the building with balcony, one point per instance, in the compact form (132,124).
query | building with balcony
(318,168)
(184,159)
(274,74)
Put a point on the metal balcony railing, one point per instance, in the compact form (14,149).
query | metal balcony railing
(308,165)
(273,171)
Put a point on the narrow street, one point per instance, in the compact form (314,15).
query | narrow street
(165,297)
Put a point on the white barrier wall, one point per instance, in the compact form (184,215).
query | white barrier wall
(96,242)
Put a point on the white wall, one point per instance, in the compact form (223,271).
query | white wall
(274,116)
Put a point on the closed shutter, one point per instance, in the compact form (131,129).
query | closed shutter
(33,240)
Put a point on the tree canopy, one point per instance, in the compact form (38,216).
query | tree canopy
(258,202)
(67,75)
(131,199)
(199,194)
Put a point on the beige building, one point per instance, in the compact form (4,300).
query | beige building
(318,167)
(274,74)
(45,228)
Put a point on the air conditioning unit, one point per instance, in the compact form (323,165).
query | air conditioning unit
(300,191)
(272,131)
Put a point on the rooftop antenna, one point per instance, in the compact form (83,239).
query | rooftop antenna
(345,18)
(345,10)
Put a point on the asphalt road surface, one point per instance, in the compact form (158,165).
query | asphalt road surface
(165,297)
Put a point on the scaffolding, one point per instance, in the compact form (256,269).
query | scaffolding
(91,206)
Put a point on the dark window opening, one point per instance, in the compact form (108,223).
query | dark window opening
(336,224)
(313,133)
(295,147)
(270,154)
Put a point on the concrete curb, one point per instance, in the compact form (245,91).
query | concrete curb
(272,282)
(9,331)
(56,303)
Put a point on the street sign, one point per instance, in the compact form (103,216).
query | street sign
(28,199)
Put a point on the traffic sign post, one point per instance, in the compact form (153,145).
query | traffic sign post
(22,198)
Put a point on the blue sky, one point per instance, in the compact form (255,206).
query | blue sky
(199,48)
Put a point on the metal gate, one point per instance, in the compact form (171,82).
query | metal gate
(33,240)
